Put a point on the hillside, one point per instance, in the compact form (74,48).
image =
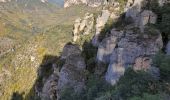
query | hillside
(27,35)
(89,50)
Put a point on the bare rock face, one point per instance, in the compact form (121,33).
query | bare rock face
(70,49)
(142,63)
(143,18)
(83,26)
(133,8)
(146,17)
(72,74)
(76,29)
(145,63)
(138,17)
(100,23)
(127,49)
(168,48)
(107,46)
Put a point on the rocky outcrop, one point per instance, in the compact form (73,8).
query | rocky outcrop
(49,90)
(100,23)
(142,18)
(72,74)
(83,26)
(133,8)
(106,47)
(139,17)
(127,49)
(69,49)
(142,63)
(57,74)
(145,63)
(91,3)
(168,48)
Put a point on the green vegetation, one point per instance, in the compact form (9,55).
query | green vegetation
(147,96)
(163,62)
(132,86)
(35,34)
(163,22)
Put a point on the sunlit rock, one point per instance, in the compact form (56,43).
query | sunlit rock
(100,23)
(142,63)
(83,26)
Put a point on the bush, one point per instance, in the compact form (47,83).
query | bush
(163,22)
(163,62)
(134,84)
(95,88)
(147,96)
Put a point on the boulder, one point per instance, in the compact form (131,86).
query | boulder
(145,64)
(168,48)
(142,63)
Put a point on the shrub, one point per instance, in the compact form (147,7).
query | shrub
(163,62)
(147,96)
(95,88)
(163,22)
(131,85)
(134,84)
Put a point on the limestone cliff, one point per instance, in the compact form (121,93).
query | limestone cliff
(92,3)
